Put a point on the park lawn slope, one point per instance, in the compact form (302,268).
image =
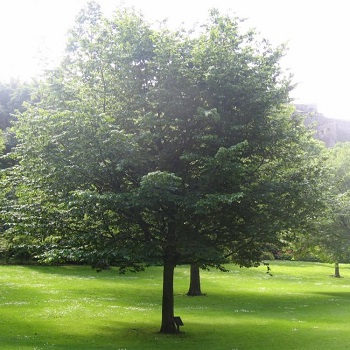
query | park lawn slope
(72,307)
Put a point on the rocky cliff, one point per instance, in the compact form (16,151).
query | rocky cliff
(328,130)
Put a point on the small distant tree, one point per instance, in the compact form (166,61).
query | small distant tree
(153,147)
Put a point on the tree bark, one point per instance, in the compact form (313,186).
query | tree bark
(336,270)
(168,324)
(195,281)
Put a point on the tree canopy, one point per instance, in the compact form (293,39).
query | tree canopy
(334,226)
(151,146)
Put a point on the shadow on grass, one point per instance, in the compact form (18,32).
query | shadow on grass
(339,295)
(83,271)
(67,270)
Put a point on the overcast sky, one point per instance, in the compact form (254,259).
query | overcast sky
(33,34)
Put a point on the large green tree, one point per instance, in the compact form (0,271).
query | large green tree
(150,146)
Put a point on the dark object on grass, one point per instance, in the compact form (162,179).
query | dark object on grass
(178,322)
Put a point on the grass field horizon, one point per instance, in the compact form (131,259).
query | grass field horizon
(73,307)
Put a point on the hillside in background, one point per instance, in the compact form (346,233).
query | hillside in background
(328,130)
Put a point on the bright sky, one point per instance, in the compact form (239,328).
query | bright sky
(33,34)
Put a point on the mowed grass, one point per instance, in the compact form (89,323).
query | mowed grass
(73,307)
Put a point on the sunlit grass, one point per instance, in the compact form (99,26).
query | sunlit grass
(299,307)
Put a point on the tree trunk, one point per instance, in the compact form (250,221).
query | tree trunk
(195,281)
(168,325)
(336,270)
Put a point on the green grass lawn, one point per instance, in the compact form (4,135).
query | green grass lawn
(299,307)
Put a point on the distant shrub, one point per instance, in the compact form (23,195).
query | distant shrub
(284,254)
(308,257)
(20,254)
(267,256)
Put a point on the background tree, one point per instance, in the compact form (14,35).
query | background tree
(334,231)
(12,96)
(156,147)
